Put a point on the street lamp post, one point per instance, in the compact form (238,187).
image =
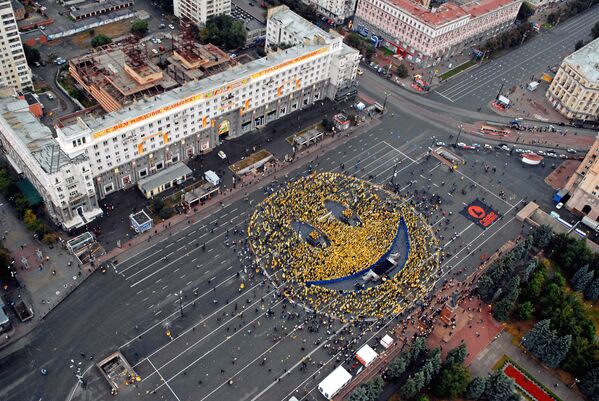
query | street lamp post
(458,137)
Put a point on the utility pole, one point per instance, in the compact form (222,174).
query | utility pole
(500,89)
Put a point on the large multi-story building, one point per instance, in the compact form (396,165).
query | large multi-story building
(336,10)
(115,150)
(583,186)
(198,11)
(423,34)
(14,71)
(574,91)
(65,183)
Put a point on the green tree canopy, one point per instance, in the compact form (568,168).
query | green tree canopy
(452,381)
(402,71)
(476,388)
(139,28)
(100,40)
(224,31)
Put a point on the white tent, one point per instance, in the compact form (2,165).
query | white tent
(366,355)
(334,382)
(386,341)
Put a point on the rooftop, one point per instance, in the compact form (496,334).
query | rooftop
(587,59)
(252,7)
(297,25)
(125,76)
(449,12)
(81,10)
(34,135)
(96,123)
(165,176)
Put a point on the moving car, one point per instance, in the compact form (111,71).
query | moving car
(222,155)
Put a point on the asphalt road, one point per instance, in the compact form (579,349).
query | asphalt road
(479,86)
(101,315)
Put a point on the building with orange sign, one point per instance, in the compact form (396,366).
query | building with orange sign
(102,152)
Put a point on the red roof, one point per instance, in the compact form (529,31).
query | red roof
(448,12)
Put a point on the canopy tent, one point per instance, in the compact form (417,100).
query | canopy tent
(386,341)
(366,355)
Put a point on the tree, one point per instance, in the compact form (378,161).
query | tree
(537,340)
(452,381)
(502,308)
(592,291)
(582,282)
(541,236)
(559,348)
(418,346)
(457,355)
(100,40)
(579,45)
(589,384)
(595,31)
(525,12)
(5,181)
(224,31)
(552,18)
(524,311)
(396,368)
(409,389)
(327,124)
(165,213)
(499,387)
(31,54)
(139,28)
(476,388)
(374,388)
(402,71)
(359,394)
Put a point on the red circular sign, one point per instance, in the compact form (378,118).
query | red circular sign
(476,211)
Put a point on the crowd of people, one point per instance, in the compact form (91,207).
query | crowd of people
(293,262)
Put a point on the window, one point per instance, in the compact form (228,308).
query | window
(108,188)
(143,172)
(159,165)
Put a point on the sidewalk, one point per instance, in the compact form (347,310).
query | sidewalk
(41,289)
(504,345)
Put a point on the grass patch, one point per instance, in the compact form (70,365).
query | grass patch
(458,69)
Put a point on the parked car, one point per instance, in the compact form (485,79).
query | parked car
(222,155)
(154,51)
(487,146)
(171,26)
(562,156)
(540,152)
(573,151)
(559,205)
(50,95)
(504,147)
(476,145)
(440,143)
(360,72)
(161,26)
(552,154)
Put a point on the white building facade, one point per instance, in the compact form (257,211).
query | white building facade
(14,71)
(574,91)
(421,34)
(65,184)
(198,11)
(337,10)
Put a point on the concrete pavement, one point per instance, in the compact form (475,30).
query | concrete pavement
(521,65)
(504,345)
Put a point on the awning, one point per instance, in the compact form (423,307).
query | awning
(29,192)
(366,355)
